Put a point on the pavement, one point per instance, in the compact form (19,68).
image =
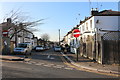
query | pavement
(81,63)
(91,65)
(12,57)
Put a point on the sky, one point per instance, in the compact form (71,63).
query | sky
(57,15)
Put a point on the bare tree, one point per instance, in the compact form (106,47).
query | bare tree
(21,22)
(45,37)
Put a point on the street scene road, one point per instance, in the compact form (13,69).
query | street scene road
(60,39)
(45,64)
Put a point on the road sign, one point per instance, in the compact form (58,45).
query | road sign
(10,32)
(76,33)
(5,33)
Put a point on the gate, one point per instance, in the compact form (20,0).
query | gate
(111,48)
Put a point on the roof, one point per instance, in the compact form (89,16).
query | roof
(108,13)
(27,31)
(101,13)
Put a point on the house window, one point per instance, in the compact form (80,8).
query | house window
(83,28)
(91,24)
(86,26)
(84,38)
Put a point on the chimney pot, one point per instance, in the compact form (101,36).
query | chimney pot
(94,12)
(9,20)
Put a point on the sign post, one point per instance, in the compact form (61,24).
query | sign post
(76,34)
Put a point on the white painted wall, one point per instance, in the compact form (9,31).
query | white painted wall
(35,42)
(107,22)
(69,39)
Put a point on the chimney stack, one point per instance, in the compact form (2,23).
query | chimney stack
(9,20)
(94,12)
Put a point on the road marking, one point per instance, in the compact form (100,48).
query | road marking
(51,64)
(48,56)
(78,68)
(28,59)
(52,58)
(68,68)
(47,65)
(57,67)
(60,65)
(39,63)
(33,62)
(29,63)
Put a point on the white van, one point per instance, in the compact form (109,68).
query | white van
(23,48)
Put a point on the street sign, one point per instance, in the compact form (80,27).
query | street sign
(76,33)
(5,33)
(10,32)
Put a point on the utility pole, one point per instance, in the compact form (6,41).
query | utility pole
(90,6)
(59,36)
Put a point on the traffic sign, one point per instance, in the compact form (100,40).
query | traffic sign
(76,33)
(5,33)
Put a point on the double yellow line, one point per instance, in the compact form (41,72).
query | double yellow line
(78,68)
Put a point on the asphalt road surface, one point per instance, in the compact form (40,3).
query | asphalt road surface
(45,64)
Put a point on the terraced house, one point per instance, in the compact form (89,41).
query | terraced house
(97,31)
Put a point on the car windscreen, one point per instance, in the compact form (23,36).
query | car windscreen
(22,45)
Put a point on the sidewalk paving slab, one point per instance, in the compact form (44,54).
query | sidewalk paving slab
(92,65)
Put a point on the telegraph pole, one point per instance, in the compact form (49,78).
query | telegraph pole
(59,36)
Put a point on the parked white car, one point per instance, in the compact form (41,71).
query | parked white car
(57,48)
(23,48)
(39,48)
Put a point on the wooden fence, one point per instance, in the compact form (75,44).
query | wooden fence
(105,51)
(111,52)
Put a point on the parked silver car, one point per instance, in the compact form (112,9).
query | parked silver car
(23,48)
